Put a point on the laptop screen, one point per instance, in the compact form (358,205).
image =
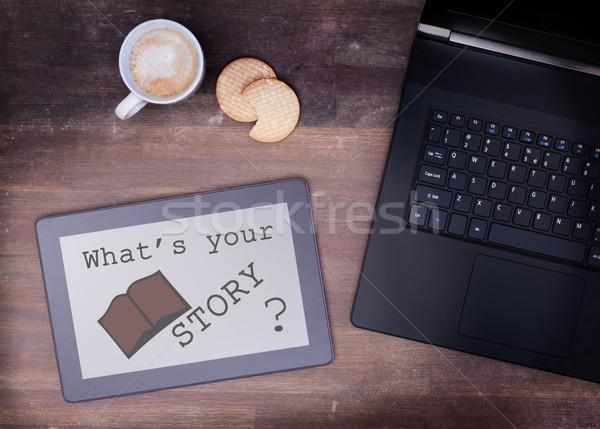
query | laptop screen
(561,18)
(554,27)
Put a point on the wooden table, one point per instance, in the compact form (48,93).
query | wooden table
(62,149)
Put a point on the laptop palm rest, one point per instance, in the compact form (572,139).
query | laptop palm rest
(521,306)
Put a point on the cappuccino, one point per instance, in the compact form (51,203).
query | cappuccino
(163,62)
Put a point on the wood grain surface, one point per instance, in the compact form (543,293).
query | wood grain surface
(63,149)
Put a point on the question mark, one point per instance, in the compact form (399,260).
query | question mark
(278,328)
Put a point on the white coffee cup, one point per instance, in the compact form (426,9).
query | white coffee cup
(138,98)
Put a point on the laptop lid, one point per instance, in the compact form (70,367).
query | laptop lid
(557,29)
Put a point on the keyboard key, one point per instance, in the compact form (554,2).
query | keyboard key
(576,187)
(595,152)
(544,140)
(594,213)
(433,175)
(457,160)
(557,183)
(509,133)
(457,120)
(497,190)
(462,203)
(551,161)
(522,217)
(562,226)
(517,173)
(557,204)
(439,197)
(542,221)
(594,192)
(527,136)
(591,170)
(502,212)
(439,116)
(418,215)
(457,181)
(434,133)
(579,149)
(538,243)
(497,169)
(458,224)
(477,185)
(477,229)
(512,151)
(451,137)
(491,146)
(582,230)
(474,124)
(531,156)
(571,165)
(537,199)
(482,207)
(435,155)
(596,235)
(561,145)
(536,178)
(594,256)
(492,128)
(471,142)
(517,195)
(437,220)
(577,208)
(477,164)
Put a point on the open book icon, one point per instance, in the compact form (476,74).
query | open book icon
(135,317)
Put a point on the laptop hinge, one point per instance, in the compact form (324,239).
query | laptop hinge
(433,32)
(514,51)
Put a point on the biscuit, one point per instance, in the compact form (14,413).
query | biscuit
(236,76)
(277,108)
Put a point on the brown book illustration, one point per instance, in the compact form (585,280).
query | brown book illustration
(135,317)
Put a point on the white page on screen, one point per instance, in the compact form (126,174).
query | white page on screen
(234,274)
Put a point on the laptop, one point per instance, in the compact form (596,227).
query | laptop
(486,236)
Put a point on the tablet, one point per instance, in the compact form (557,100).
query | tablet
(184,290)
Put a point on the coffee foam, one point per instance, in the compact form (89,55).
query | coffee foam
(163,62)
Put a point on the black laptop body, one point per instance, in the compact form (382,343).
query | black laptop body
(486,236)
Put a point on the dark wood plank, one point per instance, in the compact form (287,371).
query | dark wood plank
(63,149)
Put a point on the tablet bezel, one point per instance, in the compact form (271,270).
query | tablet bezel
(75,388)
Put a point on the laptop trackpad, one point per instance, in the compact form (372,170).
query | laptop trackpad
(521,306)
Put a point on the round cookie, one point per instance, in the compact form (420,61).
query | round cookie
(236,76)
(277,108)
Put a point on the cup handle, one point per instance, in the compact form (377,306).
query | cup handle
(130,106)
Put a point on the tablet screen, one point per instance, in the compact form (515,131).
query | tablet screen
(184,290)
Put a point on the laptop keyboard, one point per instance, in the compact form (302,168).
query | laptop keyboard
(488,181)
